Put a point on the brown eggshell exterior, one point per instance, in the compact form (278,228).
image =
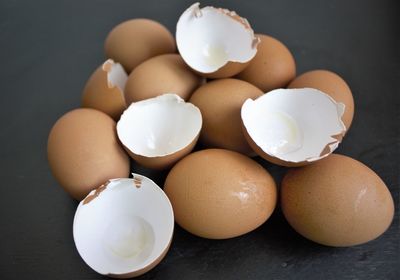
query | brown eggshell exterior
(162,74)
(134,41)
(144,269)
(220,102)
(331,84)
(220,194)
(337,201)
(84,152)
(266,156)
(162,162)
(228,70)
(273,66)
(98,95)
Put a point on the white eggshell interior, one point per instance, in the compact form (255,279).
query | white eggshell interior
(125,228)
(208,38)
(116,75)
(294,125)
(159,126)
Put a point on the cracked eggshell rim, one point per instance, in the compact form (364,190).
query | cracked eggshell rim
(159,131)
(317,125)
(116,75)
(94,225)
(215,42)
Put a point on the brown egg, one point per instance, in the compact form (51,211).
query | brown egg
(220,194)
(331,84)
(102,93)
(134,41)
(83,151)
(162,74)
(272,67)
(220,102)
(337,201)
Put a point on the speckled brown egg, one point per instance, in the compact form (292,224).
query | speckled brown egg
(84,152)
(337,201)
(272,67)
(134,41)
(220,102)
(220,194)
(161,74)
(333,85)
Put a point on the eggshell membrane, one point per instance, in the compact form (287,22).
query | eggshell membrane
(161,74)
(220,102)
(116,199)
(219,194)
(337,201)
(333,85)
(199,31)
(84,152)
(157,132)
(102,93)
(306,106)
(272,67)
(134,41)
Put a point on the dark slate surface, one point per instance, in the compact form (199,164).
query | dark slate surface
(49,48)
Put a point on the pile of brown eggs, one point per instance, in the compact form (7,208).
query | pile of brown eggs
(238,94)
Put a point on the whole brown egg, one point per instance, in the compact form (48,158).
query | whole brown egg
(220,194)
(84,152)
(273,66)
(220,102)
(134,41)
(166,73)
(337,201)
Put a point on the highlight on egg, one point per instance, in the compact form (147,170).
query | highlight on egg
(215,42)
(124,228)
(104,90)
(293,127)
(157,132)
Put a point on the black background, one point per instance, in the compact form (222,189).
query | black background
(48,49)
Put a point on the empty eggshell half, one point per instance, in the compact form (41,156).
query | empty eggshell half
(104,89)
(293,127)
(124,228)
(215,42)
(159,131)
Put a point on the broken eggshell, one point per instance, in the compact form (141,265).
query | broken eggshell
(104,89)
(159,131)
(215,42)
(293,127)
(124,228)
